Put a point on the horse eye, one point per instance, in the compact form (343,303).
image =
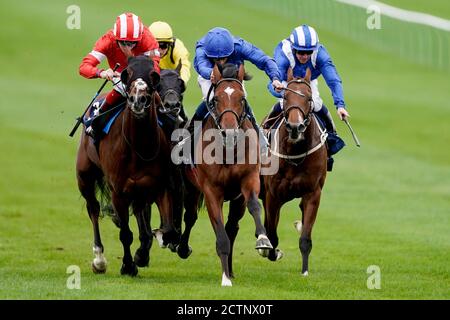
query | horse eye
(142,99)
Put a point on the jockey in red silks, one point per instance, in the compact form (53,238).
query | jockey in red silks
(128,38)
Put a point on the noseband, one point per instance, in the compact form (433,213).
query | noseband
(212,106)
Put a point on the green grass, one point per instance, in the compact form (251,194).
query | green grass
(385,204)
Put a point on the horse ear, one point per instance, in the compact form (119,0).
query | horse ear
(308,75)
(178,68)
(155,78)
(216,73)
(290,74)
(241,72)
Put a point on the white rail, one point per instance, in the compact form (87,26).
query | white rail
(401,14)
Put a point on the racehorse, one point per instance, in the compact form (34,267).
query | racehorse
(171,88)
(235,181)
(132,165)
(299,143)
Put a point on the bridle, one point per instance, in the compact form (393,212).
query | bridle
(211,106)
(287,109)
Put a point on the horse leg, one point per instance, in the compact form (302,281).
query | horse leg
(191,201)
(237,210)
(214,203)
(250,191)
(121,205)
(143,214)
(309,206)
(87,175)
(272,217)
(169,237)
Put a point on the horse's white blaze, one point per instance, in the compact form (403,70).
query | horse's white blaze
(298,226)
(99,260)
(229,91)
(226,282)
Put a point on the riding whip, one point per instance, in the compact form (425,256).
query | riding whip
(80,119)
(352,132)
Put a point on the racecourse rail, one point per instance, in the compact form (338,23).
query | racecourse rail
(418,37)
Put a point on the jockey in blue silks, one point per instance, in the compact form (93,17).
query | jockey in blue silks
(300,51)
(219,46)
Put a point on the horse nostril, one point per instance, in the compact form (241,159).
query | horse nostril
(131,99)
(142,100)
(288,126)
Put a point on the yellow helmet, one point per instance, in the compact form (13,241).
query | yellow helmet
(162,31)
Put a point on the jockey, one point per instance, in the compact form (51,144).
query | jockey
(172,50)
(300,51)
(128,38)
(219,46)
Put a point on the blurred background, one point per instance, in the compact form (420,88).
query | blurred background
(385,204)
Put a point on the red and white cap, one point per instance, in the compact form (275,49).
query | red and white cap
(128,27)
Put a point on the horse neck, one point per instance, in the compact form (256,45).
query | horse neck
(142,134)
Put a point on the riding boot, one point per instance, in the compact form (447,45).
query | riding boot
(263,143)
(273,115)
(334,142)
(96,127)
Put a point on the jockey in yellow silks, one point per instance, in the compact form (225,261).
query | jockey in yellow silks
(172,50)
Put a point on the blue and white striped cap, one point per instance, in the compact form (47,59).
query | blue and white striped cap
(304,38)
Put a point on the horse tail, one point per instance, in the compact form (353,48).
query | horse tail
(104,195)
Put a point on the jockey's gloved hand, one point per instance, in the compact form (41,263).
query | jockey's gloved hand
(109,74)
(277,85)
(342,113)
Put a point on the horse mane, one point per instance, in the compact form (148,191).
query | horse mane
(230,70)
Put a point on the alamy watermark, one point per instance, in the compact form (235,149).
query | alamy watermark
(221,146)
(74,19)
(374,20)
(374,280)
(74,280)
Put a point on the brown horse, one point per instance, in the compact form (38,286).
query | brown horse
(236,178)
(132,164)
(299,143)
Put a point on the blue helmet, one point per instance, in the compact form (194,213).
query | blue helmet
(304,38)
(218,43)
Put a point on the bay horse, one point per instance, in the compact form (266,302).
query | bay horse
(236,181)
(132,164)
(299,143)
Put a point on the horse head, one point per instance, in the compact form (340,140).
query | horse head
(171,89)
(297,105)
(228,103)
(140,79)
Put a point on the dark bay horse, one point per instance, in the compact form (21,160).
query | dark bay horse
(132,164)
(236,178)
(299,142)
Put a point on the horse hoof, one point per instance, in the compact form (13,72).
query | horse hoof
(141,260)
(130,270)
(98,268)
(305,274)
(263,242)
(158,234)
(298,226)
(226,282)
(275,255)
(172,247)
(184,252)
(264,252)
